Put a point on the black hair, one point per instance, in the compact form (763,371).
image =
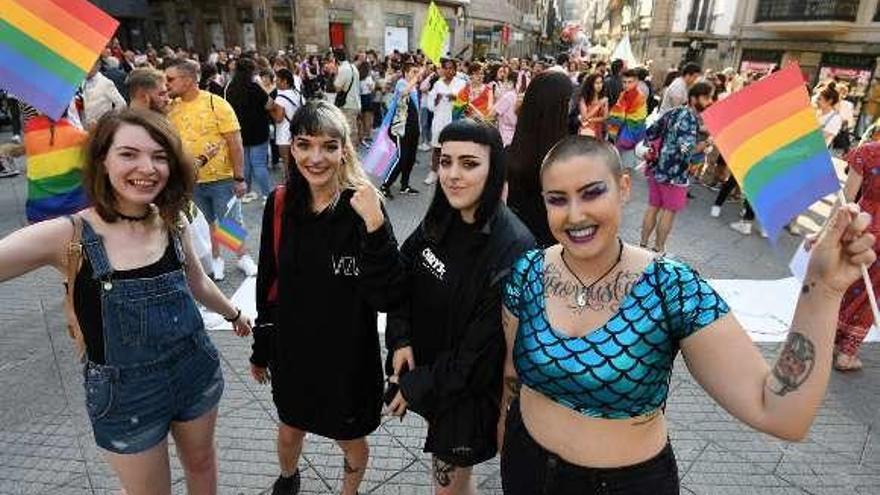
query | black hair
(701,88)
(562,58)
(286,76)
(339,54)
(616,66)
(690,68)
(471,131)
(243,77)
(830,94)
(588,91)
(576,145)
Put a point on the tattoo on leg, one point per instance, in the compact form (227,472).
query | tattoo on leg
(794,365)
(443,472)
(348,468)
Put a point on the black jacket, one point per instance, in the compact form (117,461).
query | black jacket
(459,390)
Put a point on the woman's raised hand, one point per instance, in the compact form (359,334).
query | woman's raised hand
(366,203)
(842,247)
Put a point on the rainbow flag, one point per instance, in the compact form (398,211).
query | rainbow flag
(48,46)
(626,120)
(460,105)
(770,137)
(229,234)
(383,154)
(54,168)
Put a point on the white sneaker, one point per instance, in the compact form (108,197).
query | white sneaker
(764,233)
(246,264)
(743,227)
(248,197)
(431,178)
(424,147)
(715,212)
(218,269)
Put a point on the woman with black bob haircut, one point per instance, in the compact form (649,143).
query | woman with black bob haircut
(445,343)
(317,303)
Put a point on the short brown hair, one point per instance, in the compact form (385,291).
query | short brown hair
(144,78)
(177,193)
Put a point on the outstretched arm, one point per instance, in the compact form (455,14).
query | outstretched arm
(35,246)
(783,400)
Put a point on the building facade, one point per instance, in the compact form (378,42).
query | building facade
(483,28)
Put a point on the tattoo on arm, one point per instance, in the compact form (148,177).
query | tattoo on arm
(443,472)
(794,365)
(512,386)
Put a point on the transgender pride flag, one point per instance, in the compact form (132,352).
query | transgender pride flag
(383,154)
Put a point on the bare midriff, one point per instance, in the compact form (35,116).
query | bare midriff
(588,441)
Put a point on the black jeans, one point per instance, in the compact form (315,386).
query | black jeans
(725,191)
(408,145)
(529,469)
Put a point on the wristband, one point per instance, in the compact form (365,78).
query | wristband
(234,318)
(202,160)
(238,179)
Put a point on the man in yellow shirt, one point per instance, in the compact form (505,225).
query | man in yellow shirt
(205,120)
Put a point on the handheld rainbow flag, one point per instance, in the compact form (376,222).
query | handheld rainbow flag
(462,99)
(54,168)
(770,137)
(228,232)
(48,46)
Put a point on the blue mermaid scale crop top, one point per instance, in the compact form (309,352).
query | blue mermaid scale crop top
(621,369)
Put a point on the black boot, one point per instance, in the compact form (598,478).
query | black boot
(287,486)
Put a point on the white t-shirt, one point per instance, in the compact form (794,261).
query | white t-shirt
(847,113)
(831,123)
(290,100)
(347,79)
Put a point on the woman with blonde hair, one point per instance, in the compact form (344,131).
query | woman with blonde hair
(317,300)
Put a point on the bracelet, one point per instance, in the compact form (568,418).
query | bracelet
(238,179)
(234,318)
(202,160)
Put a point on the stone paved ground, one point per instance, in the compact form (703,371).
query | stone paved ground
(46,445)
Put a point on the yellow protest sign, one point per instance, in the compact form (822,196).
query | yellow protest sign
(434,34)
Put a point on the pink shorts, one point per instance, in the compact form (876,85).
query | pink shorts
(670,197)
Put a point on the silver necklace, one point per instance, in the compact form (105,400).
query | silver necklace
(581,298)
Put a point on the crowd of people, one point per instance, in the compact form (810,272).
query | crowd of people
(519,321)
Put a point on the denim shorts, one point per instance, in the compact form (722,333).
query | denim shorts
(131,409)
(212,197)
(529,469)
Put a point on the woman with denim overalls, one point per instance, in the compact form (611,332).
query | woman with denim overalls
(149,365)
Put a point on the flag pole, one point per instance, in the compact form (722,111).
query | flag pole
(866,277)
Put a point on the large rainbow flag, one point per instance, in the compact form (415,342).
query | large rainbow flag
(47,47)
(54,165)
(770,137)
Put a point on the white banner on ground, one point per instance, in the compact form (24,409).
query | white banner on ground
(763,307)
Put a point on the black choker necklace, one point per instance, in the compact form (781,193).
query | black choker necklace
(139,218)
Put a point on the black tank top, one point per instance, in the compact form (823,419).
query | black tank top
(87,297)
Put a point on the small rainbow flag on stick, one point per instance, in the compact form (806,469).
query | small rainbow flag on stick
(770,137)
(228,232)
(54,168)
(48,46)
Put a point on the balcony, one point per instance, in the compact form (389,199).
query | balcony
(818,16)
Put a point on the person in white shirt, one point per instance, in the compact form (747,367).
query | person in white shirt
(677,93)
(348,96)
(99,97)
(289,99)
(368,87)
(440,100)
(829,118)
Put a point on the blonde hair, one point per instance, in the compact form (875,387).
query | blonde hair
(318,117)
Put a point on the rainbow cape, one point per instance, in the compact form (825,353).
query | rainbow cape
(626,120)
(54,168)
(48,46)
(770,137)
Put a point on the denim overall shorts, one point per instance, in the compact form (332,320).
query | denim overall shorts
(160,365)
